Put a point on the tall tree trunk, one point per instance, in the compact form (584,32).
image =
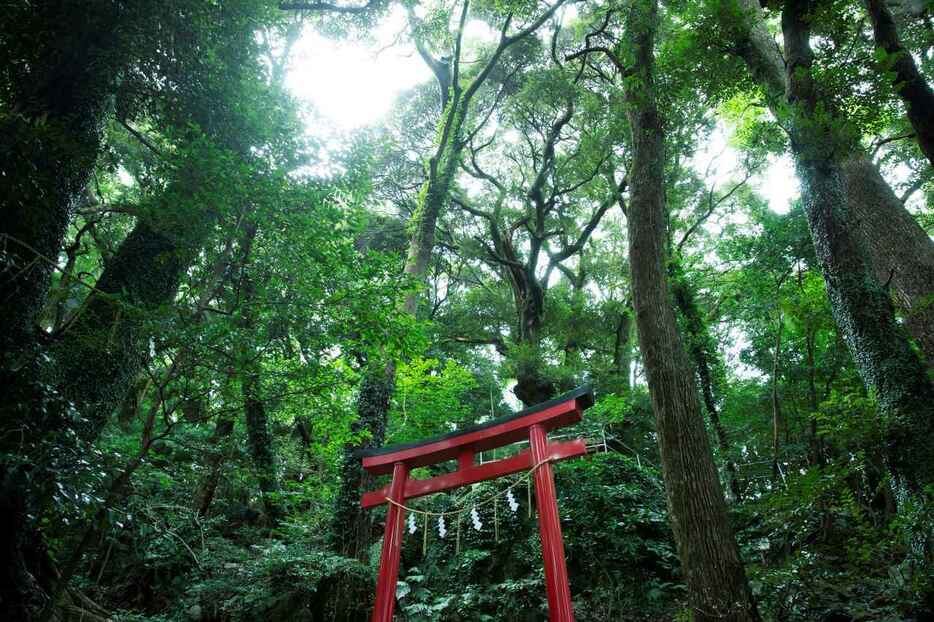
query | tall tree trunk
(776,402)
(717,585)
(901,252)
(61,89)
(908,82)
(106,344)
(860,305)
(260,443)
(105,347)
(350,528)
(814,441)
(254,409)
(214,461)
(532,387)
(102,354)
(704,354)
(822,146)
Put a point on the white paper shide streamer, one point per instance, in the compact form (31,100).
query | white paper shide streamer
(511,500)
(475,517)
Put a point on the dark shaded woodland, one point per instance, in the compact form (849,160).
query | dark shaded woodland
(212,298)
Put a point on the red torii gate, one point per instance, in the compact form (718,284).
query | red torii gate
(533,423)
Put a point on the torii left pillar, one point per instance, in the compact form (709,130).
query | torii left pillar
(392,546)
(533,424)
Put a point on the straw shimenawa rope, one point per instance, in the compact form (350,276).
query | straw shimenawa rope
(474,504)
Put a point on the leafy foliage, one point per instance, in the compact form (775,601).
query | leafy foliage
(227,280)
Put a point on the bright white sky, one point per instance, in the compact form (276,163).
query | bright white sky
(353,84)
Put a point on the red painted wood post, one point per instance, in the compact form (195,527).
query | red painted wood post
(392,547)
(549,524)
(465,459)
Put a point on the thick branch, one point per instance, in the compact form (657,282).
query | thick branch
(592,224)
(506,41)
(482,341)
(909,83)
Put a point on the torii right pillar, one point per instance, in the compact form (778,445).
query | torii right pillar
(533,423)
(549,525)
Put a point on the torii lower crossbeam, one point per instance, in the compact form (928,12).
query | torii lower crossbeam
(533,424)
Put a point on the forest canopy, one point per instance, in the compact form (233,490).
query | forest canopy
(244,242)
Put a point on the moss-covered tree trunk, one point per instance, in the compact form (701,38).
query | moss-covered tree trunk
(823,144)
(106,346)
(250,368)
(901,252)
(861,307)
(350,530)
(777,417)
(716,581)
(61,89)
(214,461)
(441,168)
(532,387)
(704,354)
(351,526)
(260,443)
(622,350)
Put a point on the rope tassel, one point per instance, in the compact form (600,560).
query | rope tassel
(425,535)
(474,515)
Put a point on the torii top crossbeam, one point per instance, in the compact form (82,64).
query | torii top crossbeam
(463,445)
(533,424)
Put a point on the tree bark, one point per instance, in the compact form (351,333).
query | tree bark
(776,401)
(58,91)
(822,145)
(350,531)
(105,347)
(532,387)
(901,252)
(814,442)
(254,409)
(705,357)
(260,443)
(219,445)
(717,585)
(861,307)
(622,349)
(350,528)
(908,82)
(61,89)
